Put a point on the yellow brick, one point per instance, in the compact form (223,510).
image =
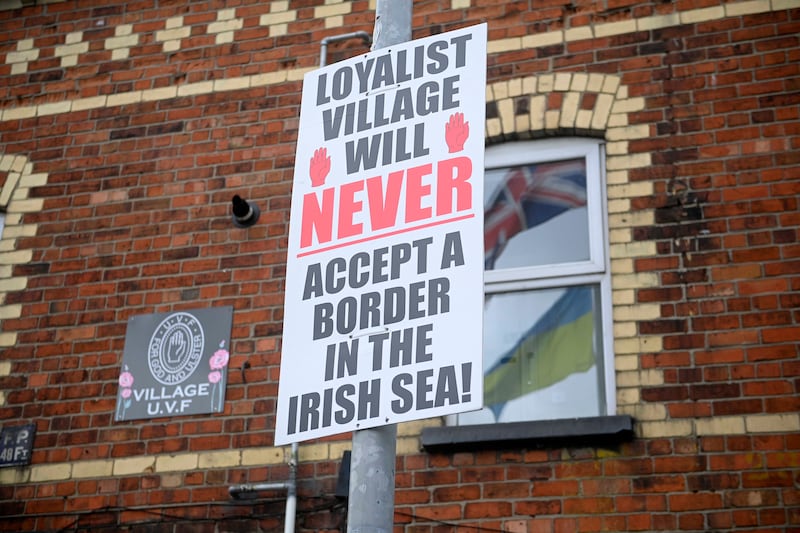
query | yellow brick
(226,14)
(90,469)
(17,113)
(633,249)
(332,10)
(273,19)
(8,339)
(176,463)
(639,131)
(569,108)
(623,297)
(583,120)
(89,103)
(648,377)
(262,456)
(631,190)
(702,15)
(225,26)
(505,109)
(25,44)
(232,84)
(271,78)
(281,5)
(620,235)
(201,87)
(5,366)
(162,93)
(637,218)
(780,423)
(227,458)
(133,465)
(620,162)
(546,82)
(52,472)
(551,119)
(623,363)
(627,105)
(22,56)
(171,480)
(719,425)
(174,22)
(175,34)
(14,476)
(746,8)
(19,68)
(515,87)
(578,34)
(123,29)
(33,180)
(459,4)
(562,81)
(415,428)
(619,206)
(529,85)
(658,22)
(13,284)
(650,412)
(74,38)
(132,97)
(337,449)
(500,90)
(660,429)
(123,41)
(54,108)
(224,37)
(313,452)
(628,396)
(621,266)
(18,257)
(493,127)
(26,206)
(616,177)
(337,21)
(624,329)
(636,281)
(615,28)
(407,446)
(602,110)
(536,40)
(504,45)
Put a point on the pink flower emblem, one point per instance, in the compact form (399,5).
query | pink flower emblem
(214,377)
(219,360)
(126,393)
(126,379)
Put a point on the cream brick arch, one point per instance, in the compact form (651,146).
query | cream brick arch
(14,202)
(596,105)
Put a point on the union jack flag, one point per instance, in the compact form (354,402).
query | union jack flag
(528,196)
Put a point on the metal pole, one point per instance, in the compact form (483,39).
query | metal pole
(371,502)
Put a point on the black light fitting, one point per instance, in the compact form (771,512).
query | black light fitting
(245,214)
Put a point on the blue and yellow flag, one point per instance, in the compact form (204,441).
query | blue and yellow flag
(559,344)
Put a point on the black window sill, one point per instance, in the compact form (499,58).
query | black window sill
(594,431)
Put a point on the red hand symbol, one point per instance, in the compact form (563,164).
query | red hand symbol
(320,166)
(456,132)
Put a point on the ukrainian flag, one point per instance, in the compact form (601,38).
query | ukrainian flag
(560,343)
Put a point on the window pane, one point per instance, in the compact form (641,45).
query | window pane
(542,356)
(536,215)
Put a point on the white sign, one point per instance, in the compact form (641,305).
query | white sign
(384,281)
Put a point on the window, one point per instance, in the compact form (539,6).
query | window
(547,316)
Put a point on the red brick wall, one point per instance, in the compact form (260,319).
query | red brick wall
(124,209)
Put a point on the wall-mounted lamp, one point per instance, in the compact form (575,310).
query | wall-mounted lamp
(245,214)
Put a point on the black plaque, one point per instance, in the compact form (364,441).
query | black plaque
(175,364)
(16,444)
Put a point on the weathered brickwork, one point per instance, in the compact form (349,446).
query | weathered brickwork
(125,128)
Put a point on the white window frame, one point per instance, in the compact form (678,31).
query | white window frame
(596,270)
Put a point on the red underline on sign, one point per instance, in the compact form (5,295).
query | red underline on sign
(384,235)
